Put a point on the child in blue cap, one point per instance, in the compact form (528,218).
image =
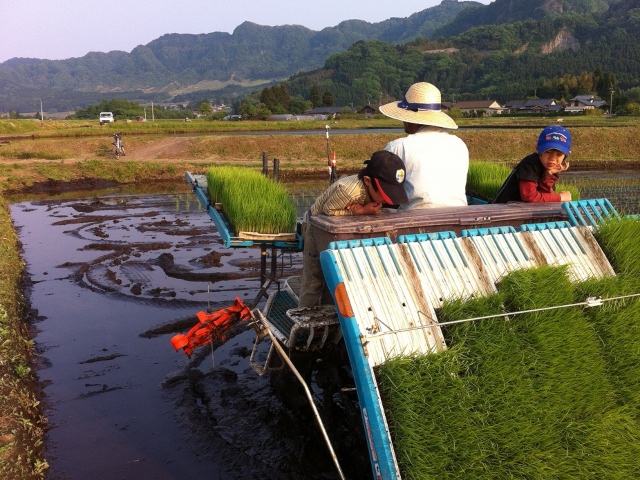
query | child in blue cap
(534,178)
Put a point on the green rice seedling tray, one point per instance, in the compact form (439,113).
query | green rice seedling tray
(230,238)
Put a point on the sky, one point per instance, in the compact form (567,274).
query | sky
(60,29)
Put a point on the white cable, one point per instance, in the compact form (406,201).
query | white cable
(589,302)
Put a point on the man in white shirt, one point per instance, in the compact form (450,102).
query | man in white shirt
(436,161)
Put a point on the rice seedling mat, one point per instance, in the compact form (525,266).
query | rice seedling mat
(215,211)
(251,201)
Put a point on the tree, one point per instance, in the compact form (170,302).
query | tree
(633,94)
(268,98)
(297,105)
(282,96)
(205,109)
(327,99)
(247,110)
(604,82)
(276,98)
(219,115)
(314,96)
(263,112)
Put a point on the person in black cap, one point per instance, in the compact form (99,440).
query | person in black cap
(380,182)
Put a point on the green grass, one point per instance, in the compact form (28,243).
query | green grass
(485,179)
(21,422)
(251,202)
(171,126)
(42,154)
(553,394)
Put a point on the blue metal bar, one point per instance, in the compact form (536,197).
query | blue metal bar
(600,208)
(532,227)
(395,261)
(522,249)
(376,432)
(461,255)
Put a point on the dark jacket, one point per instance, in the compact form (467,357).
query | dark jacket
(539,187)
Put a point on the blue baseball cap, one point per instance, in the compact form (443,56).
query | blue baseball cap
(555,137)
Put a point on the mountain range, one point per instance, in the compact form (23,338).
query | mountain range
(223,66)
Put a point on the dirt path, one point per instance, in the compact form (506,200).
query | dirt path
(169,149)
(165,149)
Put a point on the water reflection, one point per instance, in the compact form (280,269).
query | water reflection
(111,279)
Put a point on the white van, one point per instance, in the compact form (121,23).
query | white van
(106,117)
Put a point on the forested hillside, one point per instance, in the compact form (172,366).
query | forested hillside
(511,11)
(502,61)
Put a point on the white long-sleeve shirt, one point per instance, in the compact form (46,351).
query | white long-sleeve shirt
(436,167)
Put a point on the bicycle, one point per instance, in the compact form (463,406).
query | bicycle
(117,142)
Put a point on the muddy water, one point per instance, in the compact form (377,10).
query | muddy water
(112,278)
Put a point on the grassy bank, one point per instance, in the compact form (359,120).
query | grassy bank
(21,423)
(25,162)
(66,128)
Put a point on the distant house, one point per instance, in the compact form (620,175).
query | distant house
(325,111)
(556,108)
(580,103)
(371,109)
(286,117)
(514,105)
(537,105)
(487,107)
(280,117)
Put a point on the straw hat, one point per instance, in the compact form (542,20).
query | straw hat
(422,105)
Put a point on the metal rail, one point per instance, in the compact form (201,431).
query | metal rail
(287,360)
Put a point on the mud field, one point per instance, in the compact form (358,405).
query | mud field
(111,280)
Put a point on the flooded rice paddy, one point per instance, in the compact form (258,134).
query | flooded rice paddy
(112,277)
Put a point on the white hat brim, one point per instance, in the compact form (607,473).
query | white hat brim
(421,117)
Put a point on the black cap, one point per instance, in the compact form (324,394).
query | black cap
(387,170)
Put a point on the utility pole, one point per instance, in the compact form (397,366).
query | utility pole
(331,160)
(41,112)
(611,102)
